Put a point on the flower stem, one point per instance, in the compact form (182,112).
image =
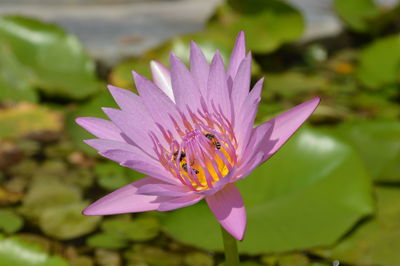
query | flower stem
(230,247)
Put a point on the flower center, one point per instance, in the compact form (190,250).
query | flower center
(204,154)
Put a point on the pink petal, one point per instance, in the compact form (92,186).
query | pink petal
(218,92)
(228,207)
(245,120)
(162,78)
(125,200)
(241,84)
(199,67)
(100,128)
(267,138)
(128,101)
(166,190)
(283,126)
(136,127)
(103,145)
(185,90)
(180,202)
(159,105)
(238,54)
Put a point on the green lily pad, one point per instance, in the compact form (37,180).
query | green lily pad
(10,222)
(27,119)
(154,256)
(16,252)
(142,228)
(67,222)
(198,259)
(375,242)
(357,14)
(47,193)
(107,240)
(57,61)
(112,176)
(380,62)
(268,24)
(309,194)
(15,79)
(378,143)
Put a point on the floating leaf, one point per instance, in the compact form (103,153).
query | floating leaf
(112,176)
(28,119)
(267,24)
(67,222)
(15,81)
(148,255)
(375,242)
(107,240)
(198,259)
(357,14)
(142,228)
(56,60)
(48,192)
(10,222)
(378,143)
(380,62)
(16,252)
(315,181)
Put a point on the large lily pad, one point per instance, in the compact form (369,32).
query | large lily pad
(268,24)
(357,13)
(315,181)
(57,61)
(16,252)
(15,79)
(380,62)
(375,242)
(378,143)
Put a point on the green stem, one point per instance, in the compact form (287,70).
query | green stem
(230,247)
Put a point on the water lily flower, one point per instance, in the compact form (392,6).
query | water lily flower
(191,131)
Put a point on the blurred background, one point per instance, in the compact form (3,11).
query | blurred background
(330,195)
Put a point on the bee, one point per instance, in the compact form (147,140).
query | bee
(183,155)
(213,140)
(184,166)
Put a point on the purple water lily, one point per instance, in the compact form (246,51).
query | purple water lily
(191,131)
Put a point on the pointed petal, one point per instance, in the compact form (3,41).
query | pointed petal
(162,78)
(185,90)
(136,127)
(159,105)
(244,121)
(238,54)
(228,207)
(103,145)
(100,128)
(267,138)
(180,202)
(199,67)
(218,92)
(125,200)
(284,125)
(127,100)
(166,190)
(241,84)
